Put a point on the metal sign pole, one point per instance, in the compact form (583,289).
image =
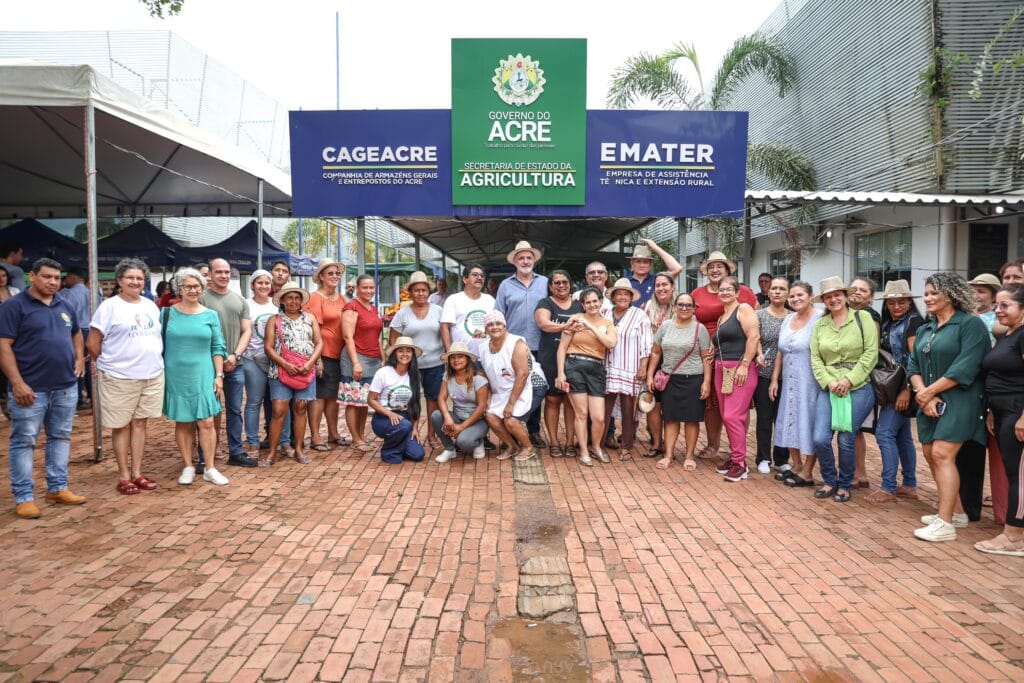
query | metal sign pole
(259,224)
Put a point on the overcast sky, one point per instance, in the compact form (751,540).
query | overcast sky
(396,53)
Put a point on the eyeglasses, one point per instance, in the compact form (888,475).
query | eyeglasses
(596,272)
(192,288)
(726,290)
(477,275)
(559,283)
(1005,305)
(685,306)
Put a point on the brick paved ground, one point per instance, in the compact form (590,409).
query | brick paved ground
(353,570)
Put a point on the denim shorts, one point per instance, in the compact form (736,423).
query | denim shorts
(430,379)
(280,392)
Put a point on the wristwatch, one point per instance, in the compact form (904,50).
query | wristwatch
(219,375)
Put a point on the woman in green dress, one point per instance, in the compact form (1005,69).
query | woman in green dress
(945,372)
(194,353)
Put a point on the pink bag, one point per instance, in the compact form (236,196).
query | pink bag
(297,382)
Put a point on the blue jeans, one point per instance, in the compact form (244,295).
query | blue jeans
(468,439)
(256,395)
(398,443)
(234,387)
(863,402)
(56,411)
(896,443)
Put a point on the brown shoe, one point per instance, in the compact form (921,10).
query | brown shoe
(27,510)
(907,492)
(65,497)
(880,496)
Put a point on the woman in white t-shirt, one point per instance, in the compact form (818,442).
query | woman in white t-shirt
(256,365)
(462,428)
(126,345)
(395,398)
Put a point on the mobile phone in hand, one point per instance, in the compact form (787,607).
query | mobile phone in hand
(940,408)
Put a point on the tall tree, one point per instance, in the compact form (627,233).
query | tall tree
(657,78)
(163,8)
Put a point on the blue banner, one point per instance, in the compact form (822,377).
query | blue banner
(398,163)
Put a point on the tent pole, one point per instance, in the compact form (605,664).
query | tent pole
(259,224)
(417,243)
(337,244)
(681,252)
(94,283)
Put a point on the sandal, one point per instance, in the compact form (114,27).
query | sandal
(624,456)
(826,492)
(664,463)
(783,476)
(689,464)
(341,441)
(301,458)
(145,483)
(127,488)
(570,451)
(523,457)
(557,451)
(1001,545)
(707,453)
(320,447)
(265,462)
(841,496)
(507,452)
(796,481)
(366,447)
(654,453)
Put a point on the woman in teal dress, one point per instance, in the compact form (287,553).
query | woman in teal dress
(194,354)
(945,373)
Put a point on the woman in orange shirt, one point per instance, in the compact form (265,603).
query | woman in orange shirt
(326,305)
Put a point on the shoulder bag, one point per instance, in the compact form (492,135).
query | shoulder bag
(661,378)
(297,382)
(888,378)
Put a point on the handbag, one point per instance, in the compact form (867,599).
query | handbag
(888,378)
(297,382)
(728,377)
(661,377)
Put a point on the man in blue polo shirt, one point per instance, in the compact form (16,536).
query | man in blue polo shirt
(641,278)
(43,355)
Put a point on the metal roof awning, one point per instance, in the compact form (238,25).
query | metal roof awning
(564,241)
(870,198)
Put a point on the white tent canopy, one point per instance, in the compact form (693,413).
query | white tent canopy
(148,160)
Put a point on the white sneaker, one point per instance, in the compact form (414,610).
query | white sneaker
(764,468)
(188,475)
(937,531)
(445,456)
(959,519)
(480,452)
(214,477)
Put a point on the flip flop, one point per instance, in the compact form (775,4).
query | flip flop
(523,457)
(624,456)
(366,447)
(653,453)
(689,464)
(341,441)
(664,463)
(301,459)
(320,447)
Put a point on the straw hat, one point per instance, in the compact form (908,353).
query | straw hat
(405,342)
(459,349)
(642,251)
(717,257)
(416,278)
(291,287)
(987,280)
(829,285)
(622,283)
(522,245)
(324,262)
(898,289)
(646,402)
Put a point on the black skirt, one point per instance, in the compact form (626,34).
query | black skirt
(681,401)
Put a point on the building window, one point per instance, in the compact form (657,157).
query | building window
(780,264)
(884,256)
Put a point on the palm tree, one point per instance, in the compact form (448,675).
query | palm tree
(655,78)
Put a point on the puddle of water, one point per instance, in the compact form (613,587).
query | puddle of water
(544,652)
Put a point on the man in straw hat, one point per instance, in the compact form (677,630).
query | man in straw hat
(517,299)
(640,277)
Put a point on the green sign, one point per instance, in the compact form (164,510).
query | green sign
(519,121)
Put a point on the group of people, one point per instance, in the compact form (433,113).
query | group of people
(597,359)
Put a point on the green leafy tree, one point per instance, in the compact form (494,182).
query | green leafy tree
(163,8)
(314,236)
(657,78)
(104,227)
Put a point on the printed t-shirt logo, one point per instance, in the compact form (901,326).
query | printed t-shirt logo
(66,318)
(142,326)
(261,324)
(398,397)
(473,323)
